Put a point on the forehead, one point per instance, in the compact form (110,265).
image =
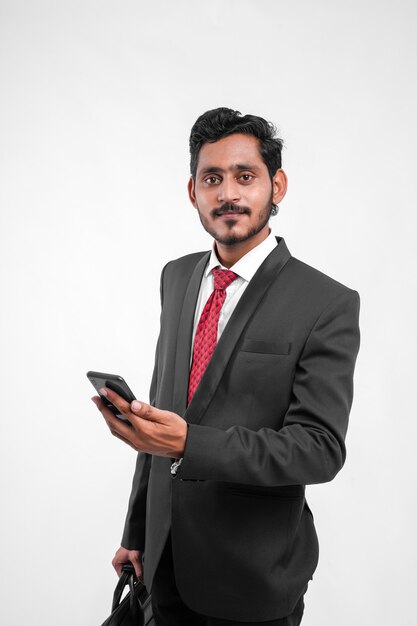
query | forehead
(229,152)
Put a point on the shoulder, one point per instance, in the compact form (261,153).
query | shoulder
(186,261)
(176,274)
(310,273)
(319,301)
(306,279)
(315,289)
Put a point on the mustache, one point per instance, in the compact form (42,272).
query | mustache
(228,207)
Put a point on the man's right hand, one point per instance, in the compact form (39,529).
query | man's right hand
(123,556)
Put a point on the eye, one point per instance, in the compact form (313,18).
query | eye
(246,178)
(212,180)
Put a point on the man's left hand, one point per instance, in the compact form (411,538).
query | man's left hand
(151,430)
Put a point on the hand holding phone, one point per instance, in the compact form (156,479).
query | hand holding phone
(155,431)
(115,383)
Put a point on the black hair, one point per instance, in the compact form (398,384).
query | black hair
(222,122)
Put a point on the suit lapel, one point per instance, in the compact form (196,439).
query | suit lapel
(184,338)
(245,308)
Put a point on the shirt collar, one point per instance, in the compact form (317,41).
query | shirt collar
(248,265)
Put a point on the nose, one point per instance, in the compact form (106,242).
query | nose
(228,190)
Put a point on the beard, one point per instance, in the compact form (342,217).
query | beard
(232,239)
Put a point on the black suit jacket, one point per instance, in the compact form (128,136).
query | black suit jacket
(269,417)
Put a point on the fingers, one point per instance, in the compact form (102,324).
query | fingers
(124,556)
(118,428)
(145,411)
(119,559)
(141,409)
(136,560)
(148,429)
(107,414)
(129,443)
(118,401)
(98,402)
(117,566)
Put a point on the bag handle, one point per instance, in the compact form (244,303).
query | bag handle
(128,577)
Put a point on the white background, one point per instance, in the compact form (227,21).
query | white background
(97,101)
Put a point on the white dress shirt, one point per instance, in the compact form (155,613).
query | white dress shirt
(245,268)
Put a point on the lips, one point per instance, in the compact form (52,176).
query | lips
(231,215)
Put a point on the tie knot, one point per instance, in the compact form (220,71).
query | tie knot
(223,278)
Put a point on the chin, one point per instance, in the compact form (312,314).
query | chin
(230,239)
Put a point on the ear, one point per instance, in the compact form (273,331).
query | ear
(191,192)
(279,186)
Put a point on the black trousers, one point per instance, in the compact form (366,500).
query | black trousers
(170,610)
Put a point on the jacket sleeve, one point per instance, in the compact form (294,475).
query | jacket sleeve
(134,529)
(309,448)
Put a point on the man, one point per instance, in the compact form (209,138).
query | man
(250,399)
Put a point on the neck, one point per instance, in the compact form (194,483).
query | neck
(228,255)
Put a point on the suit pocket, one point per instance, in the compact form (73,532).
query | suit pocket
(265,347)
(291,492)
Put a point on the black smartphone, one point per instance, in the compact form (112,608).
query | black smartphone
(115,383)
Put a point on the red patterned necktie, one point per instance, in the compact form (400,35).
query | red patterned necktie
(206,334)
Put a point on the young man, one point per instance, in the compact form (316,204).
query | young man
(250,400)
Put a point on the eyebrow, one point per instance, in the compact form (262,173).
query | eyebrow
(239,166)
